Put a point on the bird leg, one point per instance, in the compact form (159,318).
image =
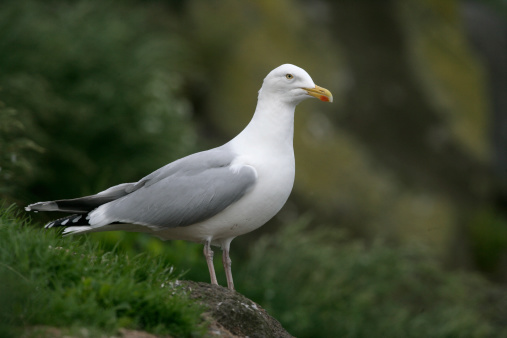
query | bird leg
(226,260)
(208,253)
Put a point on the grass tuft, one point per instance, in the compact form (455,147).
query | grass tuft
(72,282)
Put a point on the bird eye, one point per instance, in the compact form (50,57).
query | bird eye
(289,76)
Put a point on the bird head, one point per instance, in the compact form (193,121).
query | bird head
(292,84)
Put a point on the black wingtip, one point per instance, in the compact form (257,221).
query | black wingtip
(72,220)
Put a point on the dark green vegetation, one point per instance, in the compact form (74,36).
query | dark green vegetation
(320,284)
(93,86)
(95,93)
(47,280)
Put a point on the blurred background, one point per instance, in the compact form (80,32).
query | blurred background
(398,218)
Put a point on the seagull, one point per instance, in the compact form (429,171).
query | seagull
(213,196)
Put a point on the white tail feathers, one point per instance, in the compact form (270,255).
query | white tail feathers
(76,230)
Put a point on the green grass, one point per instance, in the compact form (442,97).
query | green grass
(72,282)
(317,282)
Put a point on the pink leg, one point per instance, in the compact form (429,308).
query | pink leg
(226,260)
(208,253)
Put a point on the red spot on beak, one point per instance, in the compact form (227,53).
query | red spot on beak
(324,98)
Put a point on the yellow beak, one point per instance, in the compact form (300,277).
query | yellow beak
(321,93)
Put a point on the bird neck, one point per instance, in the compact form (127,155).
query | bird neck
(272,126)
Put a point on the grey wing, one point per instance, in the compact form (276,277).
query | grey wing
(192,164)
(185,192)
(83,205)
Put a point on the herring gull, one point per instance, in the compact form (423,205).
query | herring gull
(213,196)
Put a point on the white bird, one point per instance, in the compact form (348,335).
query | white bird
(213,196)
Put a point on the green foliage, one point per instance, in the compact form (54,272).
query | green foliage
(96,84)
(319,285)
(47,280)
(487,233)
(186,256)
(15,150)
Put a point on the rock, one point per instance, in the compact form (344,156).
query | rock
(230,310)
